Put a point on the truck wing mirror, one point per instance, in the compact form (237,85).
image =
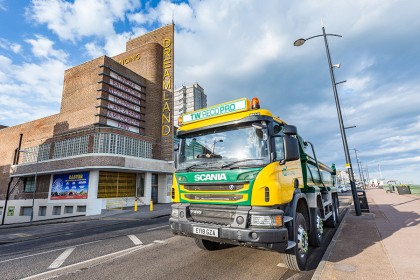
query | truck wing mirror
(291,148)
(289,130)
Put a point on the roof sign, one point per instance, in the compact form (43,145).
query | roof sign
(216,110)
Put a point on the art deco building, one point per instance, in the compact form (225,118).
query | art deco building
(111,142)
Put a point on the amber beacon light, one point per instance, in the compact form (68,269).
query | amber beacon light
(255,103)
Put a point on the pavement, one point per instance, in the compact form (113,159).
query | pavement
(17,232)
(382,244)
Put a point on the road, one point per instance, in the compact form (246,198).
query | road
(127,249)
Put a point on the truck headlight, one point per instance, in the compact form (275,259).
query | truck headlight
(266,221)
(175,213)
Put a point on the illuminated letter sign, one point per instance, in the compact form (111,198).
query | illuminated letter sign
(216,110)
(166,86)
(129,59)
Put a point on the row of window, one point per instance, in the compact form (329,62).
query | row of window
(103,143)
(71,147)
(122,145)
(56,211)
(41,152)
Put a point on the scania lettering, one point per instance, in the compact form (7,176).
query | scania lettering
(210,177)
(247,178)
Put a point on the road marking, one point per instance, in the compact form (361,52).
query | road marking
(22,235)
(87,263)
(46,252)
(135,240)
(61,258)
(159,241)
(157,227)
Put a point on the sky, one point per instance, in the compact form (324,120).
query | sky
(243,48)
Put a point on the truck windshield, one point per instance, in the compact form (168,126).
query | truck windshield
(225,147)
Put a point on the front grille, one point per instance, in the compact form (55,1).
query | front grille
(221,215)
(226,187)
(215,197)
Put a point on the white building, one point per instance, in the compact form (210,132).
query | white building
(187,99)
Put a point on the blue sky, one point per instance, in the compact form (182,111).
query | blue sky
(242,48)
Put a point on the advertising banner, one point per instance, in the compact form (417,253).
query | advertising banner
(70,186)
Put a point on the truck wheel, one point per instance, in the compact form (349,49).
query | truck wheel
(296,257)
(206,245)
(332,221)
(317,228)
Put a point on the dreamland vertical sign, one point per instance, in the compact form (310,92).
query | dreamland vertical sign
(167,93)
(167,88)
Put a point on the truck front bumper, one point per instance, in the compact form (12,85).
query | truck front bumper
(270,238)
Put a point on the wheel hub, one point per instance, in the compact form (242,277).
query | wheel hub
(319,225)
(302,240)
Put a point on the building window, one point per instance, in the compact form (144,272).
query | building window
(71,147)
(140,190)
(42,211)
(29,185)
(25,211)
(68,209)
(110,143)
(116,184)
(40,153)
(56,210)
(1,211)
(81,208)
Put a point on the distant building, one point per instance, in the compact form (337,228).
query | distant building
(343,177)
(187,99)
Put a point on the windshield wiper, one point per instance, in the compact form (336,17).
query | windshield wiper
(242,160)
(194,165)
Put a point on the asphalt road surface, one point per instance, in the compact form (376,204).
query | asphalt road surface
(130,249)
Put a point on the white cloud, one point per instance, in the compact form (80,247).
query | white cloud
(43,47)
(2,6)
(33,89)
(82,18)
(5,44)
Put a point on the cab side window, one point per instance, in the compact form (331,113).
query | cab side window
(278,142)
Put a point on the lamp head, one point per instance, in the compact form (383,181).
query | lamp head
(299,42)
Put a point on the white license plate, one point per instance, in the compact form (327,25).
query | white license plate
(206,231)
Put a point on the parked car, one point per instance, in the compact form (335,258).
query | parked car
(343,188)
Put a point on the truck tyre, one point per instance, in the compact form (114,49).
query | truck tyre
(317,228)
(206,245)
(295,258)
(337,207)
(333,220)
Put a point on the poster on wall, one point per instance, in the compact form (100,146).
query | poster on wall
(70,186)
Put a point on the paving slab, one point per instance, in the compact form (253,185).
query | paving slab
(382,244)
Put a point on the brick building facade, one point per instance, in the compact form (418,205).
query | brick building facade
(111,142)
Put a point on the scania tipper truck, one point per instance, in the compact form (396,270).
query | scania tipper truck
(247,178)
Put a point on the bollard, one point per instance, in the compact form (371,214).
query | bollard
(135,205)
(151,205)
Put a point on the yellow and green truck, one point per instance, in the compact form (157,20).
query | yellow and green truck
(247,178)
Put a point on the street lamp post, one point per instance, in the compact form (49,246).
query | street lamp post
(358,166)
(35,179)
(300,42)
